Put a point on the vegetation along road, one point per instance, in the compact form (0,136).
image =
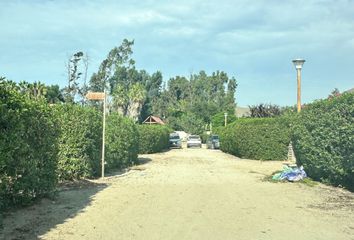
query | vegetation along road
(189,194)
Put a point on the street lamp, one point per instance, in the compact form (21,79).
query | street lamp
(298,65)
(225,115)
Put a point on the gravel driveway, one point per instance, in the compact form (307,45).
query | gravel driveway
(189,194)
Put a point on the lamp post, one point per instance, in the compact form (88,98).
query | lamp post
(298,65)
(225,115)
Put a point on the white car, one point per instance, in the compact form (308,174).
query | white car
(194,141)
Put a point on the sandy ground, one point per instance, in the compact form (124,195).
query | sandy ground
(189,194)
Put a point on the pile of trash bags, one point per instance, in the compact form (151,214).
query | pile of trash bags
(292,174)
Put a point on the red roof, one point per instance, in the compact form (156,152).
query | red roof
(153,120)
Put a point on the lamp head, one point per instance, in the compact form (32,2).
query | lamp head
(298,63)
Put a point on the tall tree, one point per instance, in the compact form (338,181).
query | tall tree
(74,74)
(54,95)
(153,93)
(198,98)
(117,57)
(119,77)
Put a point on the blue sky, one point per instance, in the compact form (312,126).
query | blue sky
(254,41)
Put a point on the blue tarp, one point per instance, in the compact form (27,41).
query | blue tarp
(291,174)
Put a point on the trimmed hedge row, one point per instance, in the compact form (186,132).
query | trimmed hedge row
(80,141)
(28,148)
(41,144)
(261,138)
(153,138)
(122,142)
(323,140)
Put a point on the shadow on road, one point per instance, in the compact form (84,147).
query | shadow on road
(73,198)
(34,221)
(143,160)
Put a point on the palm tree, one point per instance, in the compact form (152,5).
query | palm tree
(120,100)
(39,90)
(25,88)
(34,90)
(137,95)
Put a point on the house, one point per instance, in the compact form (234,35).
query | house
(153,120)
(243,112)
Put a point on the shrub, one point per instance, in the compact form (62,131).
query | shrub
(204,137)
(80,141)
(323,140)
(28,148)
(262,138)
(153,138)
(122,142)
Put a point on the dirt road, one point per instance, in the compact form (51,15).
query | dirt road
(189,194)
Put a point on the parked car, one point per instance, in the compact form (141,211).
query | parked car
(194,141)
(175,141)
(213,142)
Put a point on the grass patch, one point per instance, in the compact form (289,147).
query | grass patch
(309,182)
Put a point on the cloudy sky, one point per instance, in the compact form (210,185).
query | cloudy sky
(254,41)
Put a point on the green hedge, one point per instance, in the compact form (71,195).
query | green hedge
(323,139)
(80,141)
(28,148)
(262,138)
(41,144)
(218,120)
(153,138)
(122,142)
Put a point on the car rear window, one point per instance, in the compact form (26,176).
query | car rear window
(194,137)
(174,137)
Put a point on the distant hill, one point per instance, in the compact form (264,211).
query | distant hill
(349,91)
(243,112)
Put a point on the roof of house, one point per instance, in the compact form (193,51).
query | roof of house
(153,120)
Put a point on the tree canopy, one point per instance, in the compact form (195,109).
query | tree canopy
(188,103)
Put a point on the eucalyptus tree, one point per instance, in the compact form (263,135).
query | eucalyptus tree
(75,89)
(117,57)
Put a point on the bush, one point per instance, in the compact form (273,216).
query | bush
(204,137)
(262,138)
(153,138)
(122,142)
(80,141)
(28,148)
(323,140)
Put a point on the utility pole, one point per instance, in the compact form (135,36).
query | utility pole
(103,131)
(225,115)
